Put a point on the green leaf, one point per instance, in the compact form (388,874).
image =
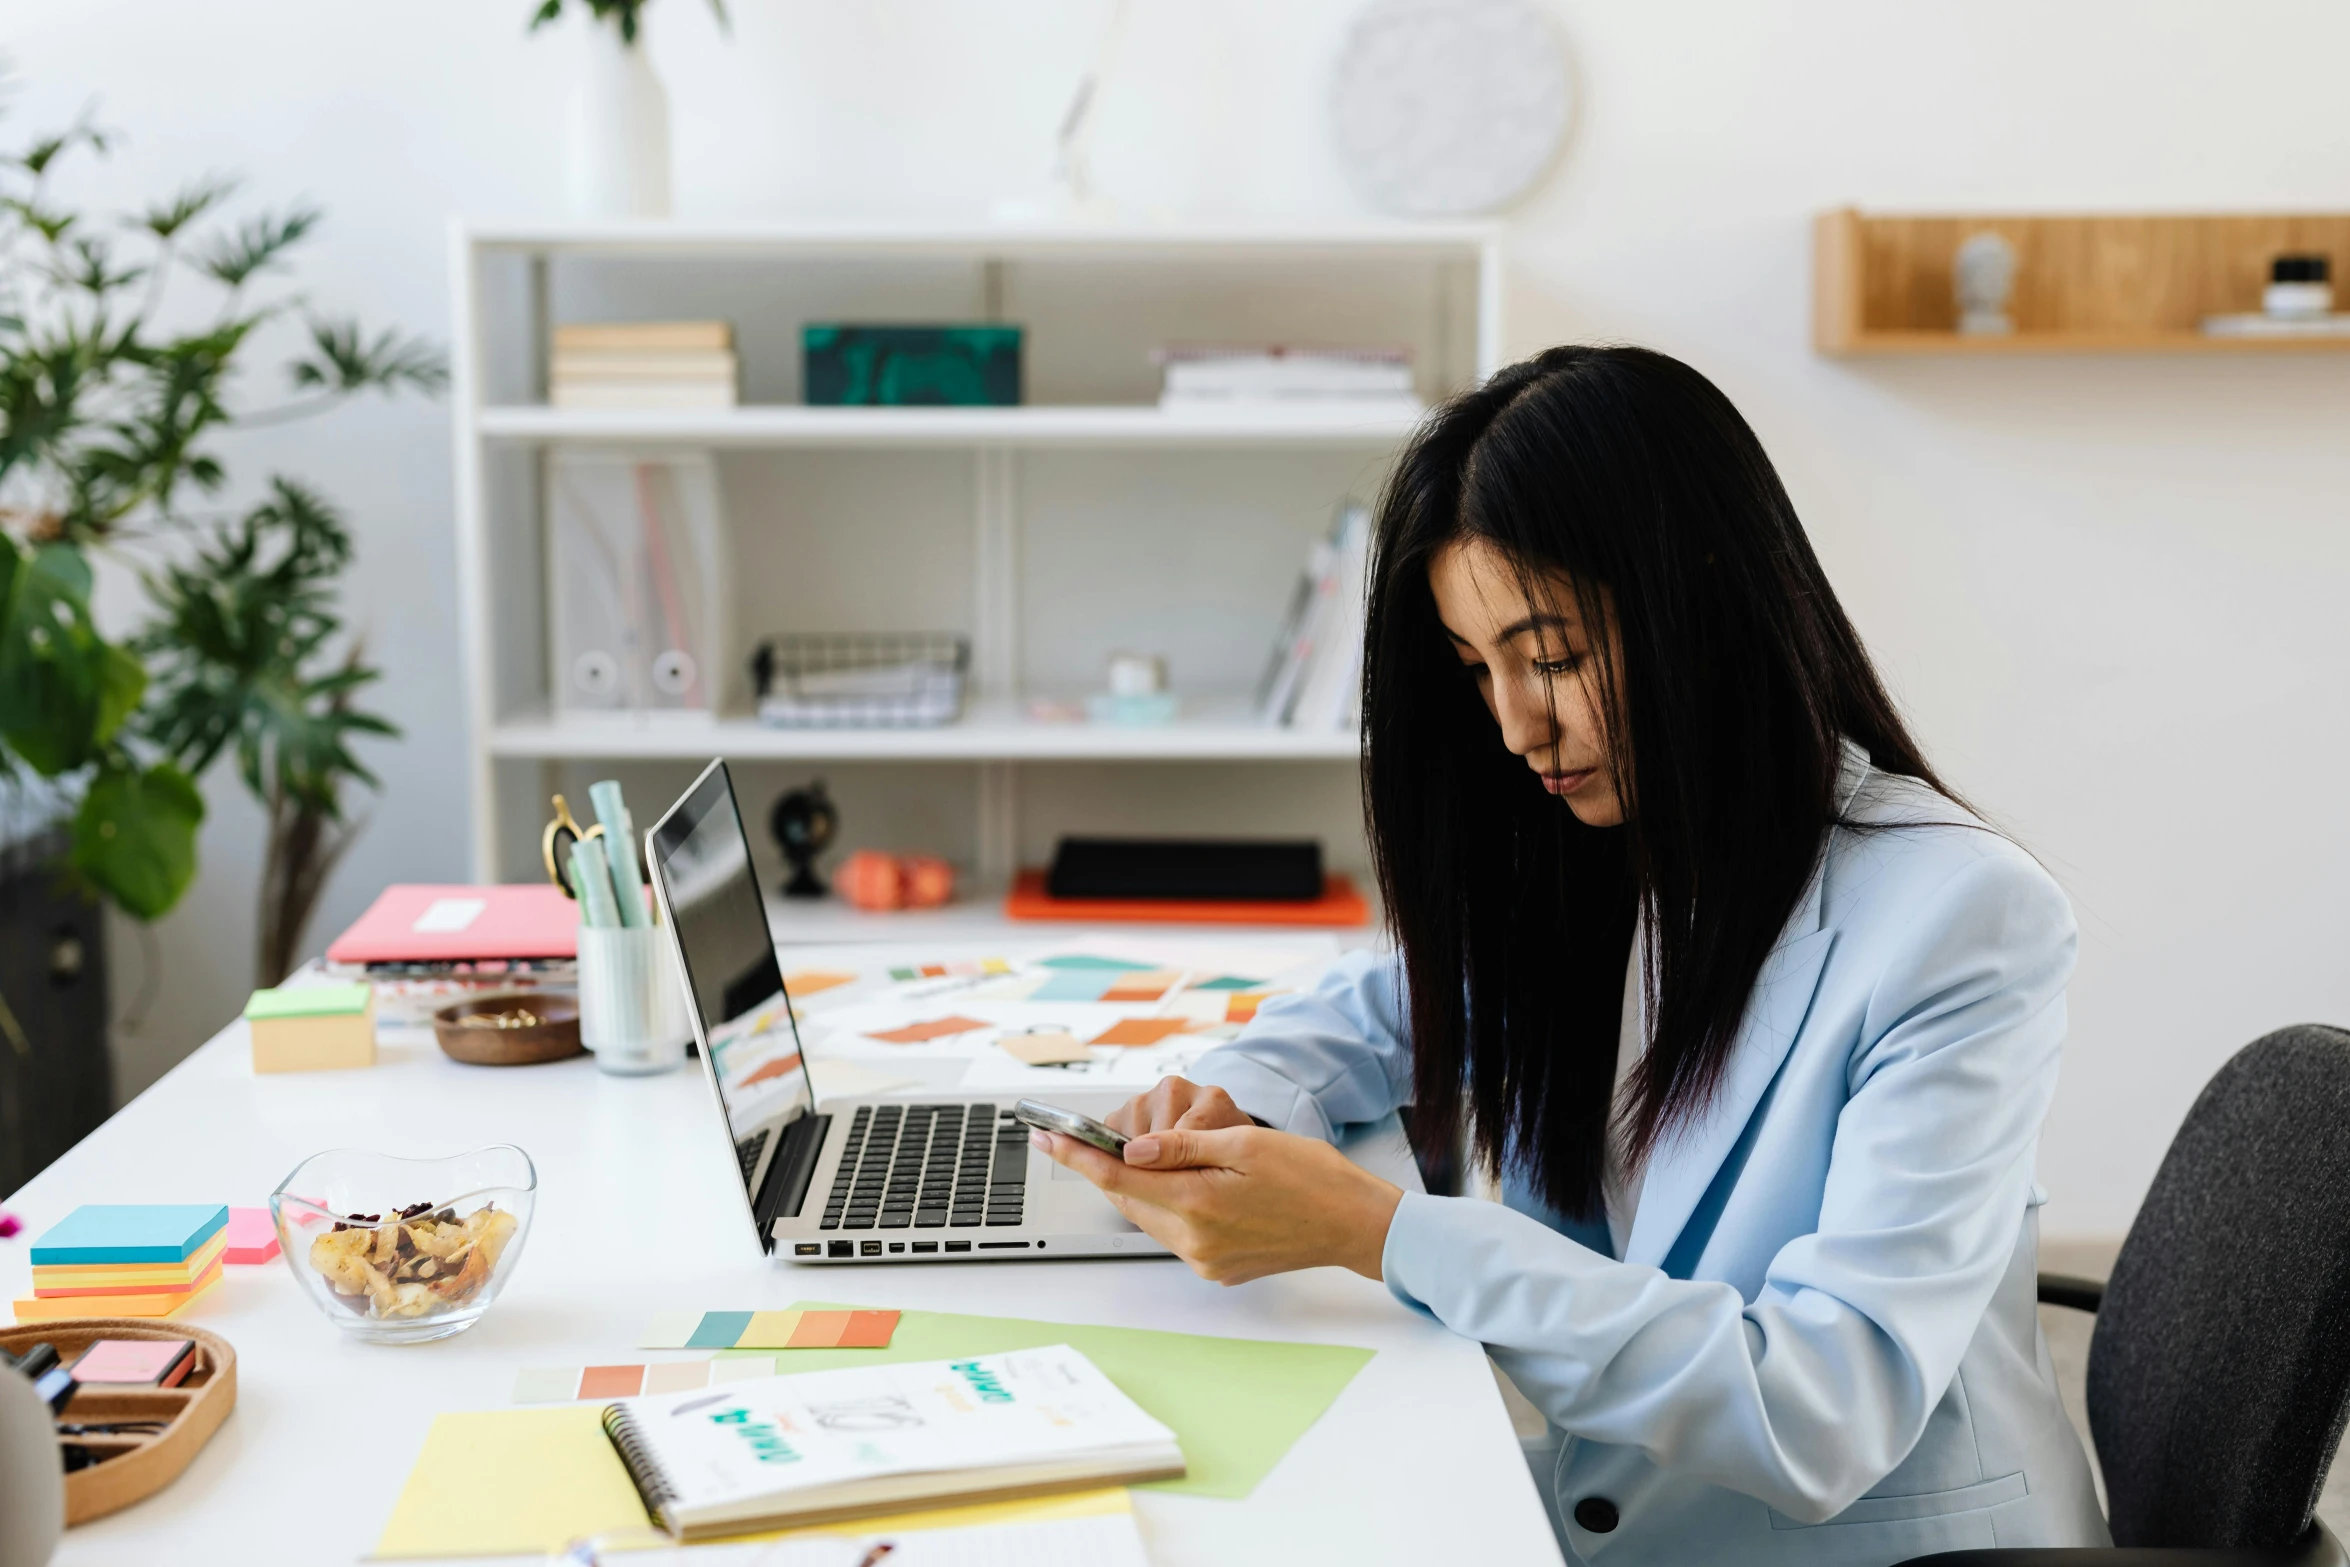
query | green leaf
(122,681)
(257,246)
(135,836)
(343,360)
(53,664)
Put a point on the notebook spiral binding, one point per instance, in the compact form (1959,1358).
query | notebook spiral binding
(652,1485)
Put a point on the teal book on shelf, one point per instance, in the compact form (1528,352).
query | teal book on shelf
(846,365)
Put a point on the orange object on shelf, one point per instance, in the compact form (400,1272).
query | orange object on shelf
(1340,904)
(878,882)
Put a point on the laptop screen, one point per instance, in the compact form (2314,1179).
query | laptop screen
(703,861)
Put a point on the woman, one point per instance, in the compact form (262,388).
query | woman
(1757,1023)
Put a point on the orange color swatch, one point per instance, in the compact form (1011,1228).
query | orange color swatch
(1141,1030)
(937,1028)
(1149,985)
(1244,1003)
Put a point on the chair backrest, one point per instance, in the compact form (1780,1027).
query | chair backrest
(2219,1374)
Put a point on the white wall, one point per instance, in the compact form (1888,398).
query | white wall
(2110,592)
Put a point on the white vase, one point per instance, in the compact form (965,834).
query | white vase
(619,131)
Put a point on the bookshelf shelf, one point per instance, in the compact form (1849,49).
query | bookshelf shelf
(992,732)
(2085,284)
(1052,534)
(1029,427)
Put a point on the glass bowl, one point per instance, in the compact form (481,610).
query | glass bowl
(401,1251)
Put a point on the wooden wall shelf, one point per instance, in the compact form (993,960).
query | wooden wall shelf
(2084,285)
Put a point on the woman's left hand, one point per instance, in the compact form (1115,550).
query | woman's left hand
(1240,1202)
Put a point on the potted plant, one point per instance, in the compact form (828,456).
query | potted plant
(619,115)
(126,349)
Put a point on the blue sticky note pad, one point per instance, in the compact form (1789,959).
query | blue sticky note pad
(1228,982)
(1081,986)
(1080,960)
(130,1232)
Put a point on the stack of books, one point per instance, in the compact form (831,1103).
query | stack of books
(643,364)
(125,1260)
(1314,679)
(1212,376)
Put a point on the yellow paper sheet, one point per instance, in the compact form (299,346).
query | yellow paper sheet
(512,1482)
(516,1482)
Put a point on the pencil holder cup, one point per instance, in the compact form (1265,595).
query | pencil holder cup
(631,1000)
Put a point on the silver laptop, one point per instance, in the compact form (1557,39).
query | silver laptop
(951,1179)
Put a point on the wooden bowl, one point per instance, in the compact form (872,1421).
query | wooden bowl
(139,1466)
(553,1036)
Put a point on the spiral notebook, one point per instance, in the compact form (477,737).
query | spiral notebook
(783,1451)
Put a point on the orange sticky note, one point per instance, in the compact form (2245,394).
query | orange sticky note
(937,1028)
(1140,1030)
(1243,1004)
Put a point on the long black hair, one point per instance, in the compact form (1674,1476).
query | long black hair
(1739,677)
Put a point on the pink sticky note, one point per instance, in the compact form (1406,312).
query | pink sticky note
(136,1361)
(251,1236)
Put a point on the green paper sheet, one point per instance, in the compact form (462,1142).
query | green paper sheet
(1236,1404)
(524,1481)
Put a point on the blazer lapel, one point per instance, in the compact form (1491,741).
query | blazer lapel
(1683,1166)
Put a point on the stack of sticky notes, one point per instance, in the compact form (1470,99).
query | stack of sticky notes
(125,1260)
(312,1028)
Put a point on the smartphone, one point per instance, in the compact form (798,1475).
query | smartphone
(1052,1118)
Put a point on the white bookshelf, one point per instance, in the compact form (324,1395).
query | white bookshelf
(1048,533)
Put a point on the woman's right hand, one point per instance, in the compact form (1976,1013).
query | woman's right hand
(1177,1103)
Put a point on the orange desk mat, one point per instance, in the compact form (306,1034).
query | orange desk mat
(1340,904)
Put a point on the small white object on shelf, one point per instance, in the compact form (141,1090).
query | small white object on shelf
(1982,280)
(2300,288)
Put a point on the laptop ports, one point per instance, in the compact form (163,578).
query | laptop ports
(896,1247)
(868,1248)
(922,1246)
(808,1249)
(843,1248)
(951,1245)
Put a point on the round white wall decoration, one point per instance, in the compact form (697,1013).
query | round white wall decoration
(1442,108)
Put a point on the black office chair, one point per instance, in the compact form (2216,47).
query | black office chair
(2219,1374)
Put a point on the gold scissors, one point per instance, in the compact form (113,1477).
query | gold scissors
(563,834)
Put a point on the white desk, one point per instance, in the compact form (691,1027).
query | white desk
(1414,1463)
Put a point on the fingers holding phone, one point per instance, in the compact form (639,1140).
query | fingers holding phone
(1177,1103)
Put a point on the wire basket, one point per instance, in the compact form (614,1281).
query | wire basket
(861,680)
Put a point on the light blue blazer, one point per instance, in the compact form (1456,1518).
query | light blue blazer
(1820,1345)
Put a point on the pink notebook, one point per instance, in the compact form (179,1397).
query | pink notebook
(412,923)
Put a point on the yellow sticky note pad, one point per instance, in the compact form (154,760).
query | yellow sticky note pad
(512,1482)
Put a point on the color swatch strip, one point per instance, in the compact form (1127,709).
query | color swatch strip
(770,1330)
(569,1384)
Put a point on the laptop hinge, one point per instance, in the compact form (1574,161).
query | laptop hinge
(789,1173)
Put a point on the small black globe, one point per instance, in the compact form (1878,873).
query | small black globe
(804,823)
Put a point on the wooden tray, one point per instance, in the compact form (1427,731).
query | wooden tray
(554,1037)
(140,1465)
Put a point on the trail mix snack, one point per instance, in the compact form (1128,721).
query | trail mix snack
(418,1261)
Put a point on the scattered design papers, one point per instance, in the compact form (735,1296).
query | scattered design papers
(1055,1047)
(943,970)
(803,983)
(1133,1031)
(794,1329)
(919,1033)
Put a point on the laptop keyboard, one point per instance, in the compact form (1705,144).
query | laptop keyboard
(929,1167)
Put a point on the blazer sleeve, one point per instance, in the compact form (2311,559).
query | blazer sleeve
(1810,1394)
(1321,1059)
